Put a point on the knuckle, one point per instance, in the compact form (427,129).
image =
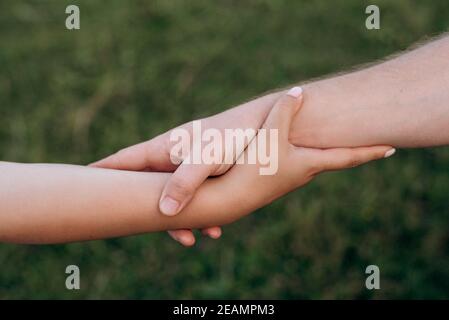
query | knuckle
(354,161)
(164,142)
(354,164)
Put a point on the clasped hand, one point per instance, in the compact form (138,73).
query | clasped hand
(296,165)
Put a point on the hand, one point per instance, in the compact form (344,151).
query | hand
(154,155)
(296,165)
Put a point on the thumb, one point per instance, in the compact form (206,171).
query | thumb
(283,111)
(181,187)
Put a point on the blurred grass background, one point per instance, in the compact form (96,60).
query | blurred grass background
(137,68)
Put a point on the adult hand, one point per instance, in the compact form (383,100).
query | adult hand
(154,155)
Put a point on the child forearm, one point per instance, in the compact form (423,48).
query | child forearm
(47,203)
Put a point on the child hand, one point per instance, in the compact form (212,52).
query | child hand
(296,165)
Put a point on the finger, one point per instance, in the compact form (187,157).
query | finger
(343,158)
(283,111)
(212,232)
(181,187)
(183,236)
(150,154)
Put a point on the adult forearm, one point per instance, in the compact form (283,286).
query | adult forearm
(402,102)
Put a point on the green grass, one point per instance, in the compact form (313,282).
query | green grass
(138,68)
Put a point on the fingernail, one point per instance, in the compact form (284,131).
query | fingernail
(174,236)
(389,153)
(214,234)
(169,206)
(295,92)
(186,241)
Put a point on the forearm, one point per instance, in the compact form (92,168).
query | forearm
(403,102)
(43,203)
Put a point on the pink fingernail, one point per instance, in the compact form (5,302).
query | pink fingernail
(215,234)
(295,92)
(389,153)
(187,241)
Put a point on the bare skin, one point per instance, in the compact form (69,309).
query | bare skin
(46,203)
(403,102)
